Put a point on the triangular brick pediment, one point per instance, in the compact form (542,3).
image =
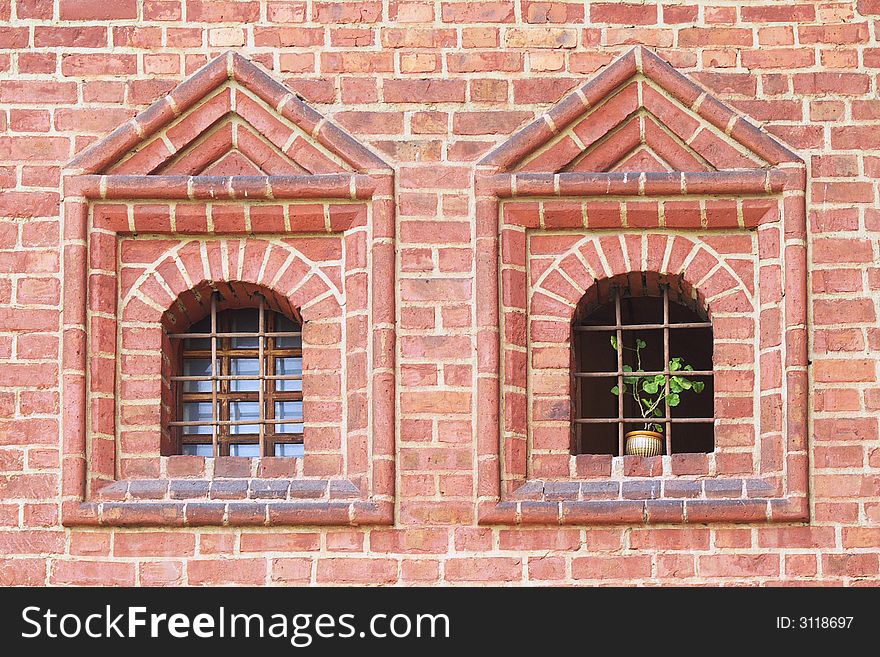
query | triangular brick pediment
(639,115)
(230,118)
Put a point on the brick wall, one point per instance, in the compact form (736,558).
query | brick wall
(432,88)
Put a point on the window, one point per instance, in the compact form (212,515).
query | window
(238,386)
(642,360)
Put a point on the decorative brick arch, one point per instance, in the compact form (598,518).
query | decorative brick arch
(228,178)
(641,170)
(301,282)
(169,292)
(559,287)
(701,269)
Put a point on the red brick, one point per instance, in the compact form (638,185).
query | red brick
(92,573)
(207,572)
(433,87)
(357,571)
(630,567)
(747,566)
(222,11)
(88,10)
(154,544)
(483,569)
(22,572)
(623,13)
(477,12)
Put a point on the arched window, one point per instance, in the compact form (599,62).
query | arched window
(236,383)
(641,362)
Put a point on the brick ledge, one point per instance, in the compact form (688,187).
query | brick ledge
(249,513)
(645,512)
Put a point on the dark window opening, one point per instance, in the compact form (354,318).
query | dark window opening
(238,384)
(661,331)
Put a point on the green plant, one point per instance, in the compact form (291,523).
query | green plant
(651,390)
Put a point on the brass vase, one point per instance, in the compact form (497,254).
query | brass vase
(643,443)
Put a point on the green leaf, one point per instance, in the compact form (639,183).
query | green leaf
(684,382)
(673,399)
(698,386)
(657,428)
(615,390)
(627,368)
(658,412)
(650,387)
(614,342)
(641,344)
(660,379)
(689,368)
(674,385)
(675,364)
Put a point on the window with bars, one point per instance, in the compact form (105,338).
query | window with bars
(625,336)
(238,384)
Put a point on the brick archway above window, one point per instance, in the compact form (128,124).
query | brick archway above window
(229,179)
(641,171)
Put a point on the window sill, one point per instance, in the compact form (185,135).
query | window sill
(227,502)
(645,501)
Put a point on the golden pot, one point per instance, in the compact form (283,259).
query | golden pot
(644,443)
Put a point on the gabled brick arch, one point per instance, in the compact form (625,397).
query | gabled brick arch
(230,118)
(638,115)
(642,170)
(228,178)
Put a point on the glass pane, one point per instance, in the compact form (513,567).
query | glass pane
(203,326)
(197,412)
(288,367)
(289,410)
(244,367)
(198,450)
(250,450)
(286,325)
(245,321)
(244,410)
(197,367)
(290,450)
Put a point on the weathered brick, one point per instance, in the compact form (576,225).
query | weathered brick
(433,87)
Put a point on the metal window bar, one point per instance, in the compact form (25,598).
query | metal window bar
(668,412)
(262,369)
(643,327)
(639,420)
(618,318)
(215,444)
(619,328)
(641,375)
(223,393)
(293,419)
(265,334)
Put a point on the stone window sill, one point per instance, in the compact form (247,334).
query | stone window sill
(227,502)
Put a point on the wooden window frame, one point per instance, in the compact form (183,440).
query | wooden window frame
(221,396)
